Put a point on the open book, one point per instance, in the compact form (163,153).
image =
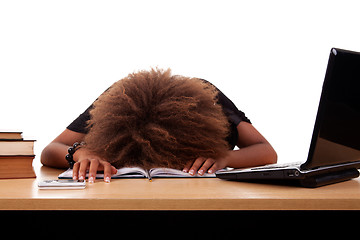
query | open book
(136,172)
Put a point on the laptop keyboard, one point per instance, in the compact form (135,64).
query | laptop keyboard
(278,165)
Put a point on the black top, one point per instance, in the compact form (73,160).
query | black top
(234,115)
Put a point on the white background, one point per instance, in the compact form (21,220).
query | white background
(268,57)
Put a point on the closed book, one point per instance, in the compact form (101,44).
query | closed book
(11,136)
(16,167)
(16,147)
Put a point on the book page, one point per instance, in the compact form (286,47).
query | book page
(126,172)
(170,172)
(65,175)
(130,172)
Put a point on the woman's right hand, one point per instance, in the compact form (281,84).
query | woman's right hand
(85,160)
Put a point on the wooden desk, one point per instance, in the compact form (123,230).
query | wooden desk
(175,194)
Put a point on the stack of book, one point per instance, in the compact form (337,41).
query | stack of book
(16,156)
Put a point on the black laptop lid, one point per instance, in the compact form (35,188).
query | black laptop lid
(336,136)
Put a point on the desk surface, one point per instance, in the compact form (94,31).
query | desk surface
(175,194)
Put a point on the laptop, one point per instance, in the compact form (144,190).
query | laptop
(334,153)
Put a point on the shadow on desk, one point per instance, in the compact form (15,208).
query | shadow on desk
(175,224)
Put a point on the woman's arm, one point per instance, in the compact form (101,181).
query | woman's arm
(254,150)
(53,155)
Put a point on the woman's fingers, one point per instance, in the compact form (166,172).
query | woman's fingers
(206,165)
(82,169)
(76,170)
(107,171)
(201,165)
(187,167)
(196,165)
(94,164)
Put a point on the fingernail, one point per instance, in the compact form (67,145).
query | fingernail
(201,172)
(91,180)
(184,170)
(191,172)
(81,177)
(210,171)
(74,177)
(107,180)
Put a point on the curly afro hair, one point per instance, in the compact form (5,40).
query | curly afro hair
(154,119)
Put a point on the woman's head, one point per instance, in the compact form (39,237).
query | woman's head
(153,119)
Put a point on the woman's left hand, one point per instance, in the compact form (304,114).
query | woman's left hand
(204,165)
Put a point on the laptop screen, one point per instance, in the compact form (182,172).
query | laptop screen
(336,136)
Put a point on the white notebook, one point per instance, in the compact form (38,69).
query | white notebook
(136,172)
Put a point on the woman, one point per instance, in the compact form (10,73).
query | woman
(154,119)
